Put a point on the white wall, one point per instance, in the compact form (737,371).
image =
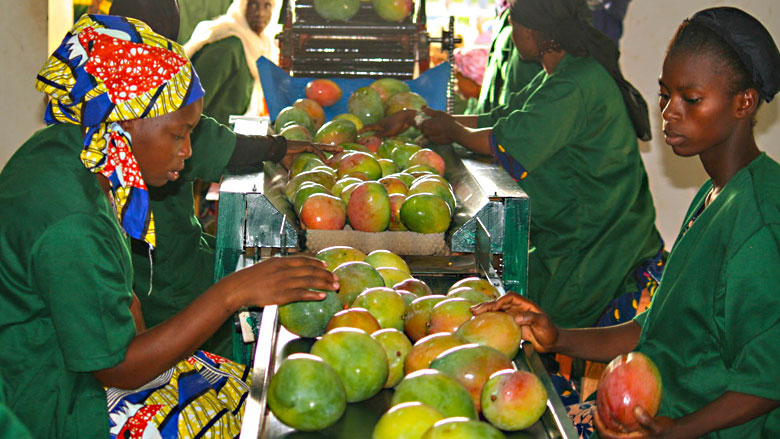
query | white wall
(649,25)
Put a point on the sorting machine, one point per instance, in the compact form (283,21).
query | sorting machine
(488,235)
(364,46)
(255,221)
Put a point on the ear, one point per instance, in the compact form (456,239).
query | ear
(746,103)
(127,125)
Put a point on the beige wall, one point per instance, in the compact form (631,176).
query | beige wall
(648,27)
(23,51)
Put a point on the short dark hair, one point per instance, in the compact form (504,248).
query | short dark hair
(161,15)
(692,37)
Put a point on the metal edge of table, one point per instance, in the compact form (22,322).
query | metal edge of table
(267,349)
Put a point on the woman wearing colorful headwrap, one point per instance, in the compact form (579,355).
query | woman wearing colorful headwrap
(714,322)
(569,142)
(124,101)
(184,257)
(224,52)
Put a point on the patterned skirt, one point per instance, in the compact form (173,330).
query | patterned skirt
(626,307)
(201,397)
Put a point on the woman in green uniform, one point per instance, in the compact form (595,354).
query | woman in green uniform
(569,141)
(70,325)
(224,52)
(182,263)
(714,322)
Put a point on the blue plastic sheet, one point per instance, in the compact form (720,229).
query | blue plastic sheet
(281,90)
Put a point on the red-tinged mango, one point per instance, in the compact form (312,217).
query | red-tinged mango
(323,91)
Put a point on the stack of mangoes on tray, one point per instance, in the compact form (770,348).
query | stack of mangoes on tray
(384,329)
(374,184)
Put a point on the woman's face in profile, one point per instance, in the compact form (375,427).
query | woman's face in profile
(525,42)
(161,144)
(258,14)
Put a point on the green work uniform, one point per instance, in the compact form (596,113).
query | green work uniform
(65,287)
(183,260)
(506,72)
(10,425)
(714,323)
(192,12)
(225,76)
(592,215)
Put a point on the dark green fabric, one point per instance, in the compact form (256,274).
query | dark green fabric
(505,73)
(65,287)
(568,22)
(78,11)
(592,214)
(10,425)
(184,256)
(192,12)
(714,323)
(225,76)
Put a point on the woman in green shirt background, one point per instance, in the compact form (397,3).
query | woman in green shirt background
(569,139)
(713,325)
(224,52)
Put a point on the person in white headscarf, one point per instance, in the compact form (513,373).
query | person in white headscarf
(224,52)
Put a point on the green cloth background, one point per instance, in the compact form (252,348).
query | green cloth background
(192,12)
(225,76)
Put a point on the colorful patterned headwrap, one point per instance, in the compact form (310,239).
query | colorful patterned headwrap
(109,69)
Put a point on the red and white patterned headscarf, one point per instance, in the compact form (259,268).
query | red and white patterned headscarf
(109,69)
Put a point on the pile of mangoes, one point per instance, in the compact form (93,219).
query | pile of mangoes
(374,184)
(385,329)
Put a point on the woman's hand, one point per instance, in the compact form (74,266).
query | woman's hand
(652,427)
(392,125)
(536,326)
(278,281)
(295,147)
(441,127)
